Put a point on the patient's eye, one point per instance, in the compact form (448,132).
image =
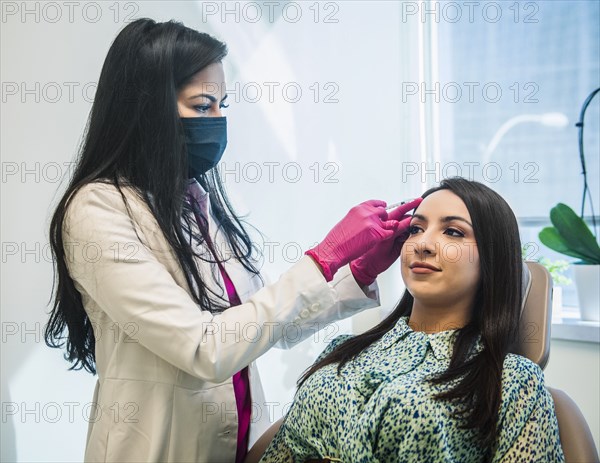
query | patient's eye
(454,232)
(413,229)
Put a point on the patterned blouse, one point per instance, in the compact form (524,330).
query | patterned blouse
(381,409)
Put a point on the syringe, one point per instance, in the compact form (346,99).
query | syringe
(395,205)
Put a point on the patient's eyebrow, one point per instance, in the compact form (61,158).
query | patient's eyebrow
(448,218)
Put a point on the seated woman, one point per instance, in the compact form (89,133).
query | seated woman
(433,382)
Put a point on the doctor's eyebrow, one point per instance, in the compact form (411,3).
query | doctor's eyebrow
(448,218)
(206,95)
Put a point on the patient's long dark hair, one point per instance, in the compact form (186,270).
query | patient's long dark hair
(134,138)
(496,313)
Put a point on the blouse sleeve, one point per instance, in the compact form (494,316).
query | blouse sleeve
(528,428)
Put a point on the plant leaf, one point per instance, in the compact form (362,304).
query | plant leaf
(575,232)
(550,237)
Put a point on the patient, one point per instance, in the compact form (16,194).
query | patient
(433,382)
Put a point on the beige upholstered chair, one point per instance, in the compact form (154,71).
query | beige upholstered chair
(533,343)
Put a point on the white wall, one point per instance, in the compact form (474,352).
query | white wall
(366,135)
(363,135)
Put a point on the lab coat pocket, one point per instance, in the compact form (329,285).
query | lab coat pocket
(204,424)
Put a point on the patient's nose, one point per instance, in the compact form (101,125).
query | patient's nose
(427,245)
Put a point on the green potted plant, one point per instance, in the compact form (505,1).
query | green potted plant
(571,236)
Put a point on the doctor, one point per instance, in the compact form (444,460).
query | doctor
(158,287)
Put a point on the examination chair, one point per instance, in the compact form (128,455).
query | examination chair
(533,343)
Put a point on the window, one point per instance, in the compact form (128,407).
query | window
(506,84)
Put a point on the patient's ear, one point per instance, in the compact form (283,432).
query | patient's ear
(259,447)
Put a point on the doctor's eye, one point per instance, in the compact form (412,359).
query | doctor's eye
(223,105)
(202,108)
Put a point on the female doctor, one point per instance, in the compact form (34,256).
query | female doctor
(158,291)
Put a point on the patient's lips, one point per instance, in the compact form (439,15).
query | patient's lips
(423,268)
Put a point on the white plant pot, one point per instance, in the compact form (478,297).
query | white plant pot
(557,302)
(587,280)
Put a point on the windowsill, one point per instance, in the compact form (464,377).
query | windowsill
(568,326)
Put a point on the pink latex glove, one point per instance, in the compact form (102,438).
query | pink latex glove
(361,229)
(381,256)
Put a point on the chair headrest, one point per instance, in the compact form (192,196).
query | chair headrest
(536,314)
(526,286)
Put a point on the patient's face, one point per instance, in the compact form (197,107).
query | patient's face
(442,237)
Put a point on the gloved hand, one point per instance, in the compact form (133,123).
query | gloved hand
(361,229)
(381,256)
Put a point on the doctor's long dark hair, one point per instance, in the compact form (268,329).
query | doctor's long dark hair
(495,314)
(134,138)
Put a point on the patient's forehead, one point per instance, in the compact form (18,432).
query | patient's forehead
(443,203)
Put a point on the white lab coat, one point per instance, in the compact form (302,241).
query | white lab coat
(164,391)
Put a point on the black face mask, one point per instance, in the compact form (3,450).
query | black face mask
(206,139)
